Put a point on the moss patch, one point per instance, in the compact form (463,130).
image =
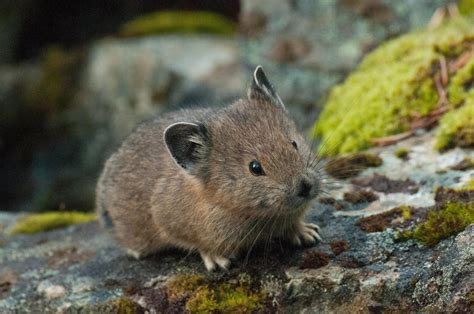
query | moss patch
(119,306)
(56,86)
(456,128)
(35,223)
(225,298)
(466,7)
(182,285)
(351,165)
(199,294)
(402,153)
(166,22)
(444,195)
(453,218)
(392,86)
(469,186)
(452,213)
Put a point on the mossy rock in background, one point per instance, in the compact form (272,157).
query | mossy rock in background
(166,22)
(57,84)
(393,85)
(35,223)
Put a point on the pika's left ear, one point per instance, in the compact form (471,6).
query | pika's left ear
(261,88)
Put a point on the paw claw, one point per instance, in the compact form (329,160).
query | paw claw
(306,233)
(313,226)
(134,254)
(296,240)
(211,261)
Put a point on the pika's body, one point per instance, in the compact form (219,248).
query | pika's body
(215,181)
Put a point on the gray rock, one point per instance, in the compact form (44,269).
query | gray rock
(81,268)
(117,83)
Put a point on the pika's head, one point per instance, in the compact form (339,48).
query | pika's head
(248,157)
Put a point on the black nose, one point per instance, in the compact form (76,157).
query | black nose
(304,189)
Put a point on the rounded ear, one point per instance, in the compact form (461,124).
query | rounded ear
(187,144)
(262,88)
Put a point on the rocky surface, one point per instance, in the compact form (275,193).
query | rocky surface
(66,111)
(81,268)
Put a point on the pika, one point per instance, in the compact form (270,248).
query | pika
(216,181)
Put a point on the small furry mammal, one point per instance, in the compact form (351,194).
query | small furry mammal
(215,181)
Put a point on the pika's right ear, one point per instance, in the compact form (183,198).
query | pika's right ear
(186,142)
(261,88)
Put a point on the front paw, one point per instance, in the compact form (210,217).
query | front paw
(212,261)
(306,233)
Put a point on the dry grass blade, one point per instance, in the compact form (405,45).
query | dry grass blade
(392,139)
(462,60)
(444,71)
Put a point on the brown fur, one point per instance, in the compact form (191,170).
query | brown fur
(217,206)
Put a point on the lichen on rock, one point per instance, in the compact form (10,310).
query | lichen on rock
(392,86)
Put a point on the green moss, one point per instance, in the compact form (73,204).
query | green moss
(470,296)
(469,186)
(184,284)
(466,7)
(406,212)
(35,223)
(119,306)
(391,85)
(201,295)
(165,22)
(453,218)
(126,306)
(462,83)
(456,128)
(402,152)
(225,298)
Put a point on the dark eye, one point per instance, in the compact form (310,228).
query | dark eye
(256,168)
(294,144)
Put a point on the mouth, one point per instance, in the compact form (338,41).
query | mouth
(298,204)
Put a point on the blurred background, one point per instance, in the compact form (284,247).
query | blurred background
(77,76)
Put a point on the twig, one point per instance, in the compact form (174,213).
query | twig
(429,120)
(461,61)
(442,98)
(392,139)
(444,70)
(453,10)
(420,123)
(437,18)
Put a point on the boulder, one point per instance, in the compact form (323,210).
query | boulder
(356,267)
